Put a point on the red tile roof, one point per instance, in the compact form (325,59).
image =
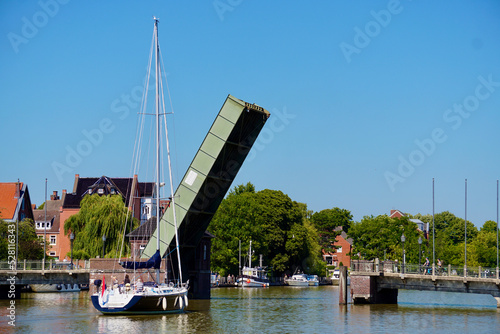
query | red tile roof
(8,200)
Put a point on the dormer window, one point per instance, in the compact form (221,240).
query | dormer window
(100,191)
(43,225)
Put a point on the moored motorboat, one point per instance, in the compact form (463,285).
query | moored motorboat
(297,280)
(301,279)
(253,277)
(313,280)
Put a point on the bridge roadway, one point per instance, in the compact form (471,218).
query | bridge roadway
(378,283)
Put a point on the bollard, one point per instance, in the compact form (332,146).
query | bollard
(343,285)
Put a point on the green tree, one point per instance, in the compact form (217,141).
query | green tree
(269,218)
(489,226)
(98,216)
(380,237)
(326,221)
(29,245)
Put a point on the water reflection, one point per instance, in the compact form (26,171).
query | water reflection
(270,310)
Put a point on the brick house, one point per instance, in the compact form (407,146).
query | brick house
(136,195)
(421,226)
(342,253)
(48,223)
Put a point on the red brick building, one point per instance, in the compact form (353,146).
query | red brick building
(343,253)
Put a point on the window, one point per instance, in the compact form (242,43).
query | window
(204,252)
(100,191)
(328,260)
(52,254)
(52,239)
(43,225)
(339,250)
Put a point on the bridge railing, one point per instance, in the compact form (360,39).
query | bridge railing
(410,268)
(45,265)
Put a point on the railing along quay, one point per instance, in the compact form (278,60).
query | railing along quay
(45,265)
(376,266)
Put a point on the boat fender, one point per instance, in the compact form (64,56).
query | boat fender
(164,303)
(181,303)
(248,281)
(59,287)
(186,302)
(176,303)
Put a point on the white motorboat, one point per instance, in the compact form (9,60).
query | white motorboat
(253,277)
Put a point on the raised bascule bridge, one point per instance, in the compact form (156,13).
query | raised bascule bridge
(203,187)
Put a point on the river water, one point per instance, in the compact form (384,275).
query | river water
(270,310)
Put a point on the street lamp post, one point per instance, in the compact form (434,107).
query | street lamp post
(419,252)
(404,254)
(71,239)
(103,244)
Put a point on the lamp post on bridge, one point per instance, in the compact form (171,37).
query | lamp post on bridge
(71,239)
(404,254)
(419,252)
(103,244)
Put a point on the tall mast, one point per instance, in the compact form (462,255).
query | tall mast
(250,255)
(157,117)
(172,199)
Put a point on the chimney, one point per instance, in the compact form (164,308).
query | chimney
(75,185)
(54,196)
(18,189)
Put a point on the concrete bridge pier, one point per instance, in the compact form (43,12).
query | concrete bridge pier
(498,301)
(365,290)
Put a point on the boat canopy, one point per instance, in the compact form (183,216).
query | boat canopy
(153,262)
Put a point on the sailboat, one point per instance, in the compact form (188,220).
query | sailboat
(148,297)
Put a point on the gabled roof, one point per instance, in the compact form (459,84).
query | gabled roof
(53,215)
(145,230)
(396,214)
(344,235)
(9,198)
(15,203)
(105,186)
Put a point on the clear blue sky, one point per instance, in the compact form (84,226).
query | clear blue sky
(370,100)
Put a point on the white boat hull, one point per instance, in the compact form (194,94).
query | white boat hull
(55,287)
(251,283)
(156,300)
(292,282)
(302,280)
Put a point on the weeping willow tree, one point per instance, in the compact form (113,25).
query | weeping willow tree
(98,216)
